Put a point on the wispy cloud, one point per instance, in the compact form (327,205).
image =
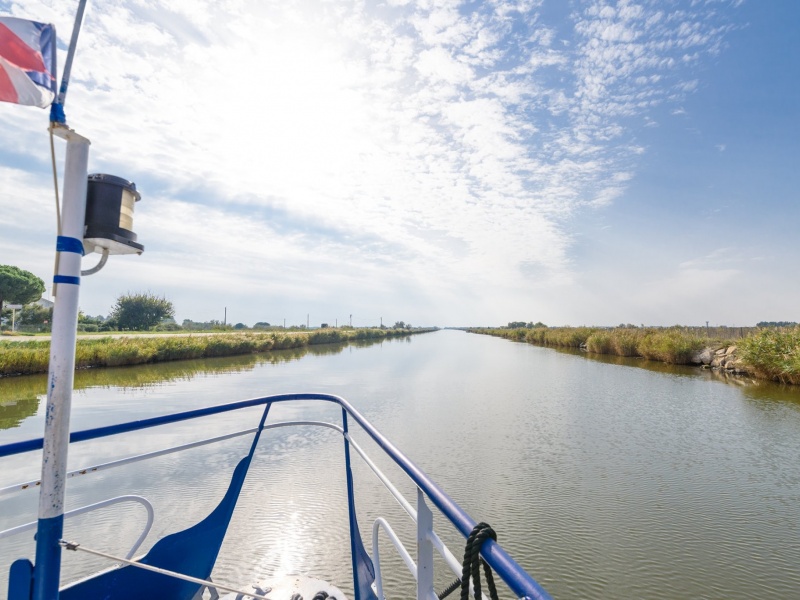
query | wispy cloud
(444,141)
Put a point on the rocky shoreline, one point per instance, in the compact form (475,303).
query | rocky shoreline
(722,358)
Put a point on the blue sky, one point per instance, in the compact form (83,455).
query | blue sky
(447,163)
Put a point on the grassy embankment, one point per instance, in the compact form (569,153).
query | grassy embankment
(772,354)
(33,357)
(766,354)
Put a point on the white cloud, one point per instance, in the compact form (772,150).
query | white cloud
(433,143)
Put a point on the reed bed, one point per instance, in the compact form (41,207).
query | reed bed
(767,353)
(33,357)
(671,345)
(773,354)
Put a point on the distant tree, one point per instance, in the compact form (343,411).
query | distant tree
(35,315)
(261,325)
(240,326)
(212,325)
(18,286)
(399,325)
(89,320)
(776,324)
(537,325)
(517,324)
(140,311)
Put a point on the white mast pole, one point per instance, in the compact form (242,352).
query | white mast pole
(60,379)
(69,246)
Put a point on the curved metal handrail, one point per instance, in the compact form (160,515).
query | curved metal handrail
(97,505)
(506,567)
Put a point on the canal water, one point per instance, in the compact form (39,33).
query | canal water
(605,478)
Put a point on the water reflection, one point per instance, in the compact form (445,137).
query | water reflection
(20,397)
(604,481)
(13,412)
(681,370)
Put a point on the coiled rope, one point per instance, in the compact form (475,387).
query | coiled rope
(472,562)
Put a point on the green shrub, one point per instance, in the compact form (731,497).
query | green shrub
(599,342)
(670,346)
(773,354)
(625,342)
(536,336)
(326,336)
(568,337)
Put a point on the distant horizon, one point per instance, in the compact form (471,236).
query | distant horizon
(333,324)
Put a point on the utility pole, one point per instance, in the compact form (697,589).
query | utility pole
(337,322)
(225,318)
(284,322)
(307,320)
(351,320)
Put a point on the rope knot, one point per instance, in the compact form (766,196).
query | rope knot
(472,562)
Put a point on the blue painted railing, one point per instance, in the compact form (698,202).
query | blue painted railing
(517,579)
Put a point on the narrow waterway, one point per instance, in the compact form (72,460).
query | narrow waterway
(602,478)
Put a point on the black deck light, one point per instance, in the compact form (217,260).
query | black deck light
(109,216)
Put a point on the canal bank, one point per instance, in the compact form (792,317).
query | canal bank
(768,353)
(107,351)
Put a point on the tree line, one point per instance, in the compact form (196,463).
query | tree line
(133,311)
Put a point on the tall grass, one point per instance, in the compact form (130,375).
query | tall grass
(671,345)
(772,354)
(17,358)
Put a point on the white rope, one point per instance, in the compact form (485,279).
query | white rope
(55,179)
(58,203)
(75,547)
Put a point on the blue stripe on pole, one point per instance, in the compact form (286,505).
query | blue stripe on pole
(69,244)
(66,279)
(47,571)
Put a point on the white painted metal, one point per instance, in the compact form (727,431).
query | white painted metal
(438,544)
(291,586)
(132,563)
(381,523)
(28,485)
(425,589)
(90,507)
(64,335)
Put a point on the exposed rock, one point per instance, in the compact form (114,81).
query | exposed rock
(721,359)
(704,357)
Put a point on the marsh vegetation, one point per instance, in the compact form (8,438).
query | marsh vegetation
(767,353)
(33,357)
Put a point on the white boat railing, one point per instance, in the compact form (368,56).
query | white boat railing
(96,506)
(427,541)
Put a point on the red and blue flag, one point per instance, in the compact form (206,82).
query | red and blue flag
(27,62)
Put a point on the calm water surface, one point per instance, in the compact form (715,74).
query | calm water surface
(603,479)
